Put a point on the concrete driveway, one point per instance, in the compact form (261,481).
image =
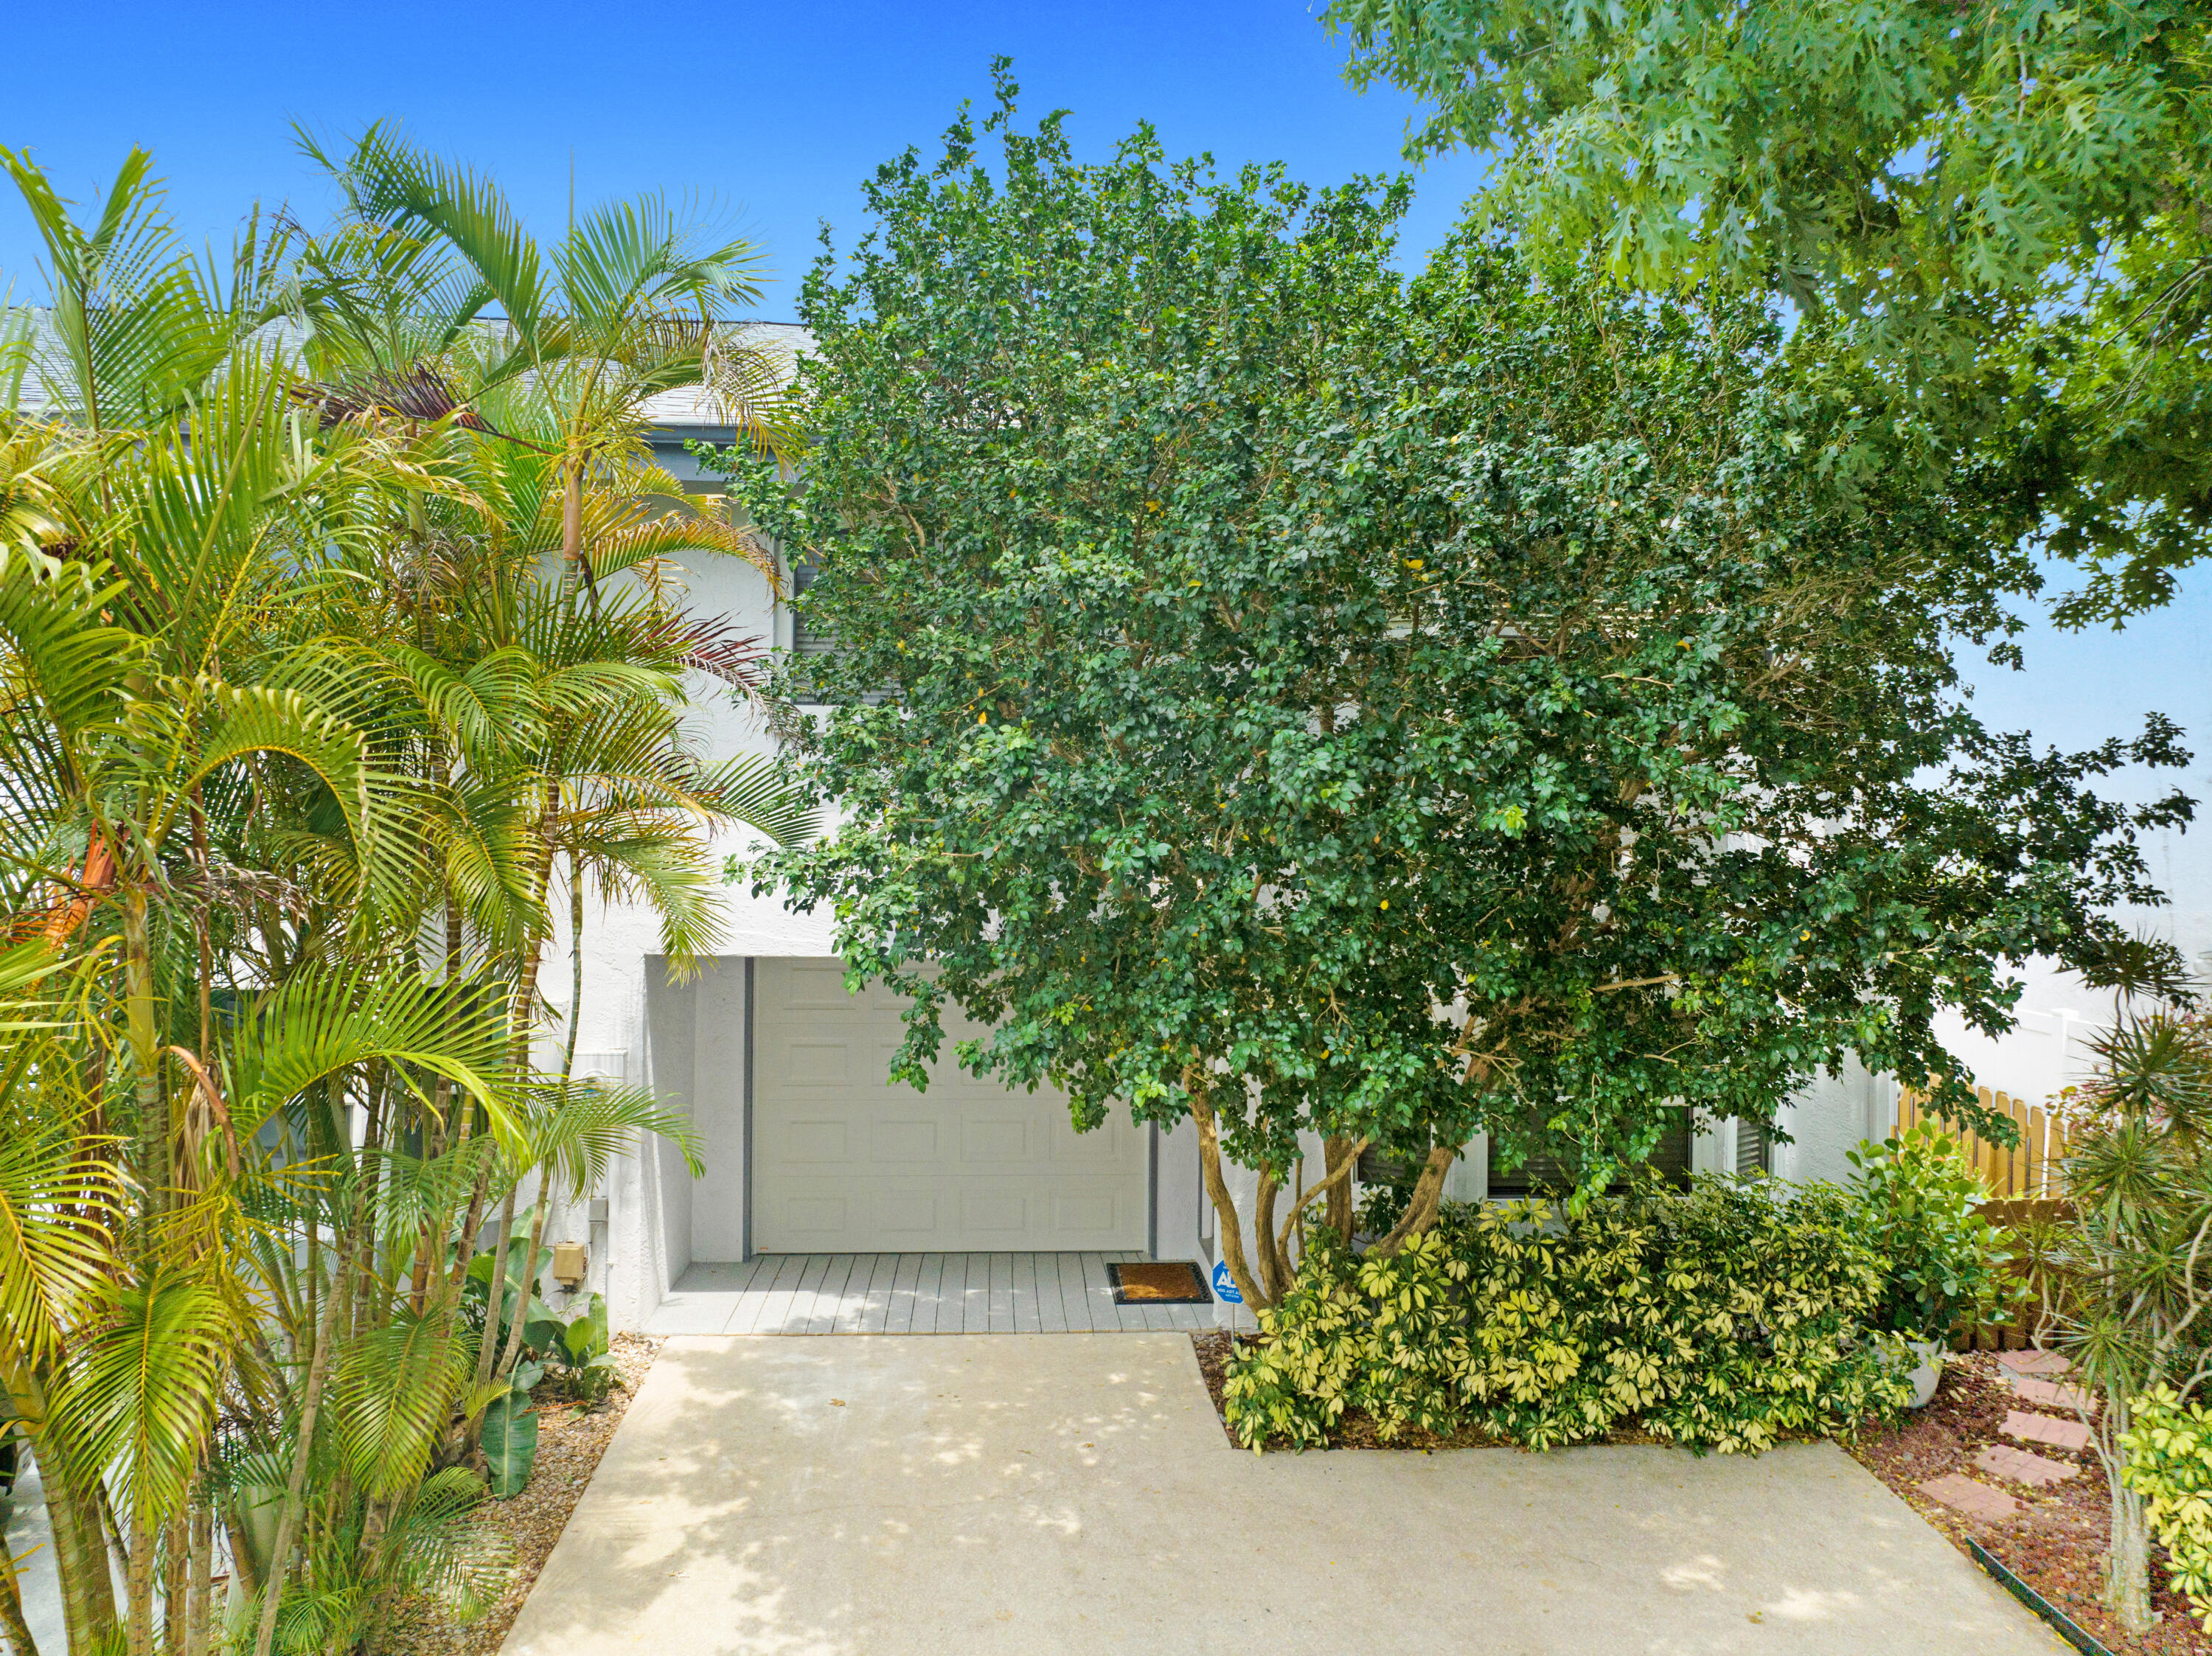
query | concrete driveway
(1072,1493)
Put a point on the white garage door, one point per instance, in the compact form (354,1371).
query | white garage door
(845,1162)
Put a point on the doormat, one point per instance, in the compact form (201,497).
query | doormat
(1174,1282)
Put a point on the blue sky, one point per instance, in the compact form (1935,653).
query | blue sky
(778,113)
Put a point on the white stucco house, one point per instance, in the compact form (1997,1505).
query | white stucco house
(808,1150)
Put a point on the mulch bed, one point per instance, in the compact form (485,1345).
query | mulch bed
(571,1438)
(2056,1544)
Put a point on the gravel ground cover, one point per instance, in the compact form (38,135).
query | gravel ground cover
(2055,1542)
(570,1440)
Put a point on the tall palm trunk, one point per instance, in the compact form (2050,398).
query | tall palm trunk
(81,1556)
(18,1630)
(199,1593)
(12,1624)
(138,1579)
(495,1298)
(311,1403)
(540,1208)
(526,999)
(575,964)
(146,1054)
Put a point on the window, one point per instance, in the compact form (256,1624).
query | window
(1750,1147)
(1669,1157)
(805,641)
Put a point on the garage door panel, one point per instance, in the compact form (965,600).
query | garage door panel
(1082,1216)
(818,1063)
(847,1162)
(816,1140)
(1070,1149)
(909,1141)
(984,1141)
(994,1212)
(910,1214)
(809,985)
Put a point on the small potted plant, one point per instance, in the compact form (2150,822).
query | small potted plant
(1918,1199)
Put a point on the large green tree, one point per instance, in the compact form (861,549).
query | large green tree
(1270,695)
(2000,204)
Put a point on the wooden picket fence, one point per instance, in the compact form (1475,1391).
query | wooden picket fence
(2029,1171)
(2023,1183)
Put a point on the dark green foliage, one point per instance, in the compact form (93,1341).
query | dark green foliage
(579,1344)
(1242,656)
(510,1434)
(1917,1201)
(1726,1320)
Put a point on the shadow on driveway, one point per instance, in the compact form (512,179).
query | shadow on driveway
(1071,1493)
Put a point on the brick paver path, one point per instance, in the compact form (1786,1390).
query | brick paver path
(2046,1394)
(1965,1495)
(2002,1460)
(2042,1429)
(2035,1363)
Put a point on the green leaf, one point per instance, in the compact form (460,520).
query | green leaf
(510,1443)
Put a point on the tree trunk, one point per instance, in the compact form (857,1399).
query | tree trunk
(1274,1279)
(199,1593)
(572,513)
(153,1149)
(138,1580)
(174,1555)
(80,1555)
(1335,1152)
(1227,1224)
(318,1368)
(246,1568)
(575,966)
(1335,1182)
(1421,1208)
(514,1352)
(495,1299)
(2127,1580)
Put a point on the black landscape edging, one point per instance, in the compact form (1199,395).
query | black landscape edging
(2064,1625)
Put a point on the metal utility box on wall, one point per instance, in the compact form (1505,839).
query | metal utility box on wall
(570,1260)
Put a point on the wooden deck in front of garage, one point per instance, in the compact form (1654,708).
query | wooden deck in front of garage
(913,1293)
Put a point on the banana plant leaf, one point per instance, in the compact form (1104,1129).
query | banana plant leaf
(545,1332)
(510,1443)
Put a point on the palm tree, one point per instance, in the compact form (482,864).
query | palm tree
(328,614)
(631,301)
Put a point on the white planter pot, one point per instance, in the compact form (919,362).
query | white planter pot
(1929,1369)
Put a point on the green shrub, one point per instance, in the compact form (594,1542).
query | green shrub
(1725,1319)
(580,1344)
(2168,1451)
(1917,1196)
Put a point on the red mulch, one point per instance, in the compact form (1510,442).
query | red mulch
(2056,1545)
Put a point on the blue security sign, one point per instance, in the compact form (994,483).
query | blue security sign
(1224,1285)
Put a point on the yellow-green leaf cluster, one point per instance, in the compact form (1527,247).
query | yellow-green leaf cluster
(1729,1320)
(2169,1460)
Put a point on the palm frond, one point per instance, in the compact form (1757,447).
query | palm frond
(139,1395)
(324,1023)
(393,1393)
(578,1128)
